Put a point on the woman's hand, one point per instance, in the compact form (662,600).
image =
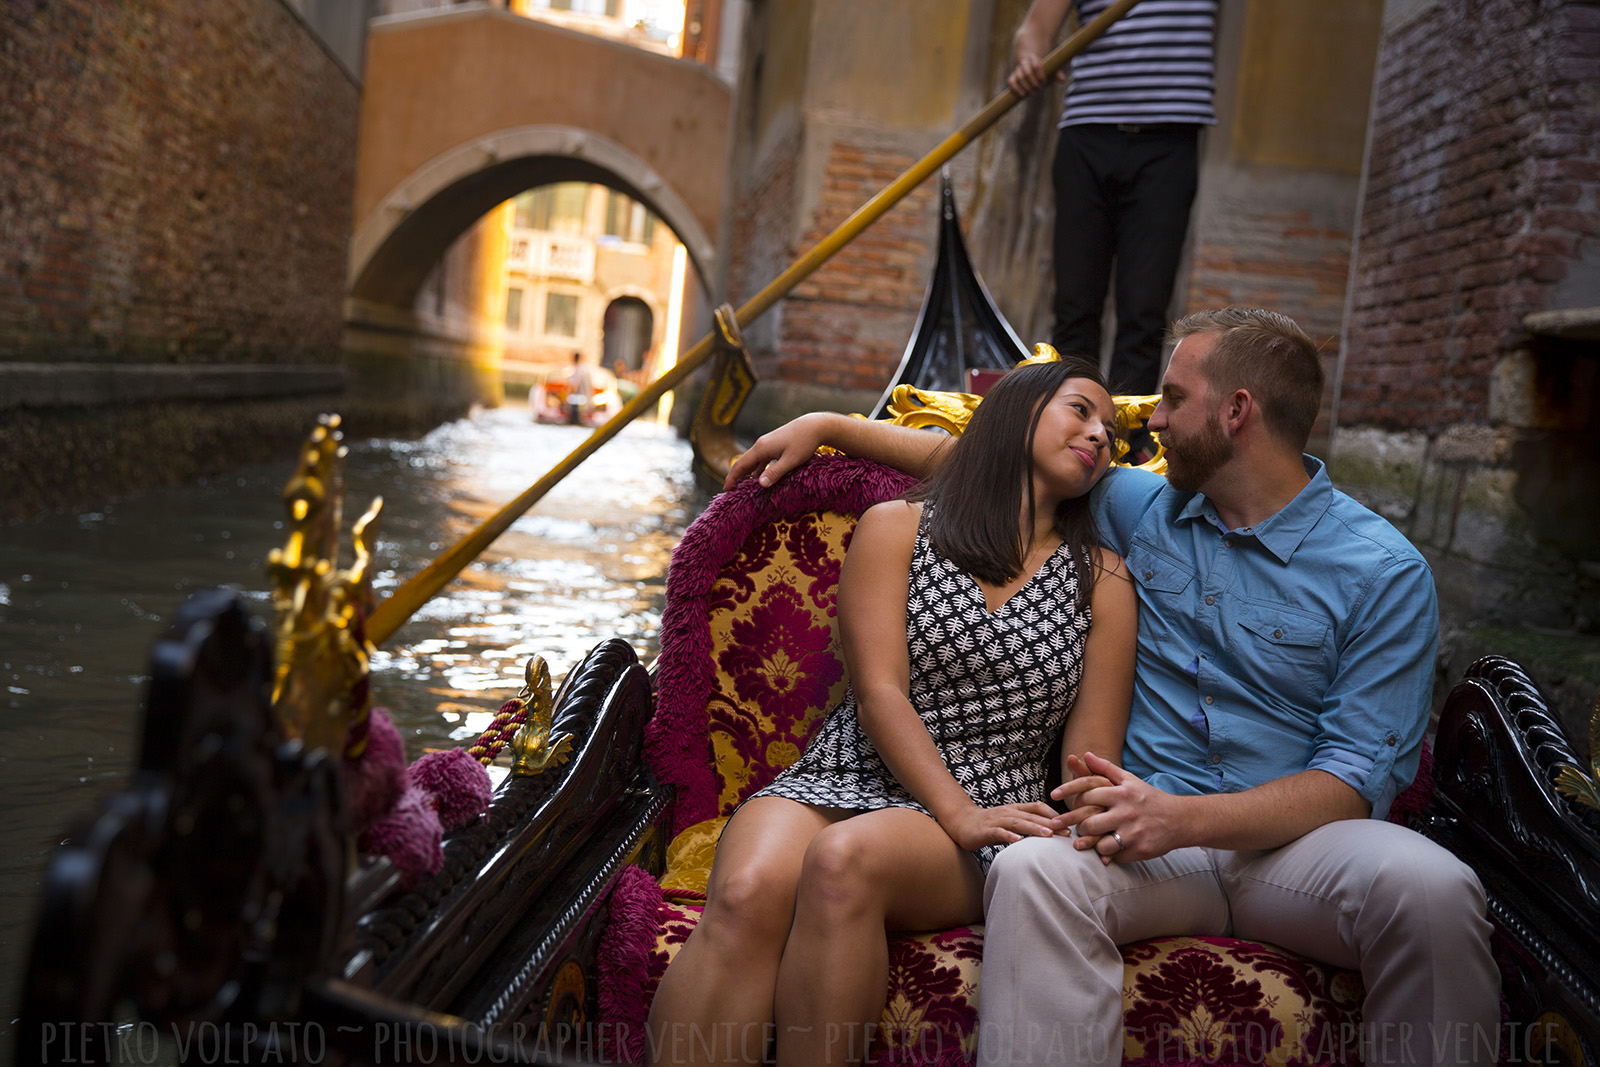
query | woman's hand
(777,453)
(973,827)
(1079,780)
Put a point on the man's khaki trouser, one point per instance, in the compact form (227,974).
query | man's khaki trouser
(1362,894)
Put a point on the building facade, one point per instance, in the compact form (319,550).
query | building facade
(589,270)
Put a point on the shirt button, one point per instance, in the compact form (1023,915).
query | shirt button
(1211,600)
(1216,759)
(1227,542)
(1208,700)
(1392,740)
(1149,575)
(1277,633)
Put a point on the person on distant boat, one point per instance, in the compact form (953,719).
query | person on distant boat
(627,383)
(580,390)
(1287,641)
(981,625)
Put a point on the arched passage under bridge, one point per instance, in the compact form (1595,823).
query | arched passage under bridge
(462,110)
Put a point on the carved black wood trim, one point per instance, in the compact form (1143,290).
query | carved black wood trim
(430,941)
(1536,852)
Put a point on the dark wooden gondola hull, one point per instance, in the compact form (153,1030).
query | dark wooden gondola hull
(959,328)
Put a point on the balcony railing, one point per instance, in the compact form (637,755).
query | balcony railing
(543,254)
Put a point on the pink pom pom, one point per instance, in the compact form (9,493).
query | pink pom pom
(409,835)
(459,784)
(375,781)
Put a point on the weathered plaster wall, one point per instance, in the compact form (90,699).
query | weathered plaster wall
(836,100)
(1277,201)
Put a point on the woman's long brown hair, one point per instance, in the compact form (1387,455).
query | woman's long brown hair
(978,490)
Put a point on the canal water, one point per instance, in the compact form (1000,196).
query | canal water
(82,597)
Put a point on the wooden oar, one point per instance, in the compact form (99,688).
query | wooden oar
(390,615)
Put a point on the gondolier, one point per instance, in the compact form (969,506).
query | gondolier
(1125,169)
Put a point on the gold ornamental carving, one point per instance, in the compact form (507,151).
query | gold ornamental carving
(533,750)
(1572,782)
(950,412)
(321,683)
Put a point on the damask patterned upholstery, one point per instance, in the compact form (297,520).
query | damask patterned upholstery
(750,663)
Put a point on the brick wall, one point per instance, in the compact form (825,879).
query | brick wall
(847,325)
(1483,196)
(1280,259)
(175,183)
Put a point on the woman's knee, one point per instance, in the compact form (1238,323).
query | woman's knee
(752,903)
(839,877)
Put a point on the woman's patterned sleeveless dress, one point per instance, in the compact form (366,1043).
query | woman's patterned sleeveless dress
(993,690)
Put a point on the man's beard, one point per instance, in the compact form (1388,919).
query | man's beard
(1191,461)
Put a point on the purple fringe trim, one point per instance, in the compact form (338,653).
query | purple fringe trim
(677,739)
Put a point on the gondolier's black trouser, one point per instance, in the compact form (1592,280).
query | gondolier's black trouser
(1122,198)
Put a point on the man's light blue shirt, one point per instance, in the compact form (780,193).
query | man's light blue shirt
(1306,642)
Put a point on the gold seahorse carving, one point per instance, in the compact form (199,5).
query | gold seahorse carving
(321,682)
(1571,782)
(533,750)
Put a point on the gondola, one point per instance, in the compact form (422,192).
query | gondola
(272,886)
(219,904)
(960,332)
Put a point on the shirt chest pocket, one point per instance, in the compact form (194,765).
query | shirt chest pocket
(1165,589)
(1156,573)
(1286,642)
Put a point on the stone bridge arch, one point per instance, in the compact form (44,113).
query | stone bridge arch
(464,107)
(393,249)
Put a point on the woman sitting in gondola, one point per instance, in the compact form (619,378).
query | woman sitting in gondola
(965,615)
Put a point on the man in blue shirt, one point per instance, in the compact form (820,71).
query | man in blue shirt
(1286,652)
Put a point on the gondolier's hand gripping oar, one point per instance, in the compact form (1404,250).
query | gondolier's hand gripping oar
(404,601)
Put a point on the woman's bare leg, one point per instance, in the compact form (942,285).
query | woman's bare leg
(714,1004)
(894,869)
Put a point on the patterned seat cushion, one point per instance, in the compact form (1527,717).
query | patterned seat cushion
(750,659)
(1213,1000)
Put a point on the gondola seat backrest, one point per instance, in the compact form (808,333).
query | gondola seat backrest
(750,657)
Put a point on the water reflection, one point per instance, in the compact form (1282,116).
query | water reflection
(82,597)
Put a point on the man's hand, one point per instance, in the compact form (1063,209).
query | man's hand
(1124,821)
(777,453)
(1028,76)
(973,827)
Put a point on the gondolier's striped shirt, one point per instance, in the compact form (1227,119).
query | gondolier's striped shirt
(1154,65)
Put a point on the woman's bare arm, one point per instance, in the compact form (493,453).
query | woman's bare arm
(781,451)
(1099,716)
